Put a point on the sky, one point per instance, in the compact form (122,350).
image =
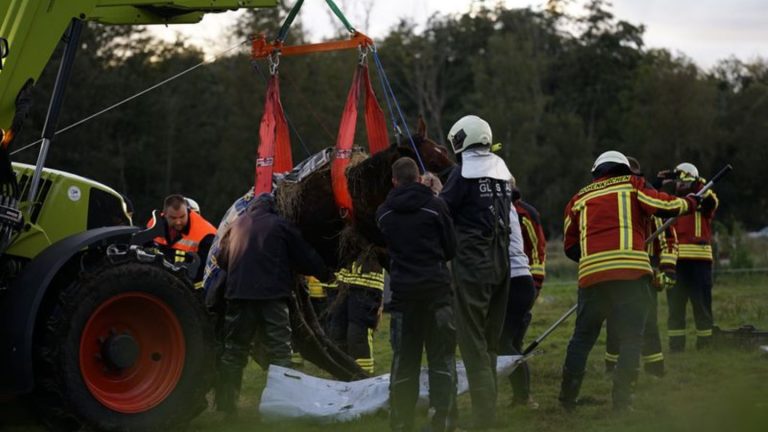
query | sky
(705,30)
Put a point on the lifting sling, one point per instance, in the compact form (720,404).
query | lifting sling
(274,150)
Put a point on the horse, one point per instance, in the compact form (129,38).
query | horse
(340,239)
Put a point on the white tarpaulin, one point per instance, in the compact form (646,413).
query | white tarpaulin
(293,395)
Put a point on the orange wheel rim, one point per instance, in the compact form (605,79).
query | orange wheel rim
(132,352)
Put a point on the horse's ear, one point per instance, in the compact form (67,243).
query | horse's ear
(421,128)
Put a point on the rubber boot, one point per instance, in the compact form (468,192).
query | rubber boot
(676,344)
(228,391)
(610,366)
(569,389)
(624,382)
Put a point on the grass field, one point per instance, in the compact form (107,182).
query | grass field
(724,390)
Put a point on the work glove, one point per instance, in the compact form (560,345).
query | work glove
(666,175)
(664,280)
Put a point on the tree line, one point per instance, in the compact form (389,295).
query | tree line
(557,91)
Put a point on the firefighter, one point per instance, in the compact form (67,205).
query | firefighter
(186,233)
(355,308)
(605,227)
(694,264)
(420,239)
(259,253)
(478,195)
(663,255)
(534,241)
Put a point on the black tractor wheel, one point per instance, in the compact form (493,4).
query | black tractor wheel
(126,348)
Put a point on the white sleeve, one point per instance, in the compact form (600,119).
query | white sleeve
(518,260)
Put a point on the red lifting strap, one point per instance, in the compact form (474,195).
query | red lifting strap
(376,128)
(274,152)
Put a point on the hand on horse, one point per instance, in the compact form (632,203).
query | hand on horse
(432,181)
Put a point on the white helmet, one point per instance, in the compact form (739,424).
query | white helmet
(688,169)
(192,204)
(468,131)
(610,156)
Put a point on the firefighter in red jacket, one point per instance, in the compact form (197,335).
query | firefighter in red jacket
(534,242)
(605,228)
(694,264)
(663,254)
(186,232)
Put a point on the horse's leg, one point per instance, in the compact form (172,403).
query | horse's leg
(314,345)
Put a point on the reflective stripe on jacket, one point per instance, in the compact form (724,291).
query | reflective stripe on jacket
(694,231)
(534,242)
(606,224)
(360,275)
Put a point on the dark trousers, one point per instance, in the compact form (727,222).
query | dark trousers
(522,293)
(414,327)
(354,314)
(245,320)
(480,310)
(652,356)
(627,303)
(694,283)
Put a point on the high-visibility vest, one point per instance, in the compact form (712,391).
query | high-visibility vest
(198,229)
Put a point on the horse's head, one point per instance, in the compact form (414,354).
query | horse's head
(435,157)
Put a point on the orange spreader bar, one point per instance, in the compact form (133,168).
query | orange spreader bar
(261,48)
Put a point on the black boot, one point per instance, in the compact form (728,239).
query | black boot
(228,391)
(655,368)
(569,389)
(624,382)
(703,343)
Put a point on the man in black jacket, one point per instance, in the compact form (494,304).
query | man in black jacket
(479,197)
(418,229)
(260,253)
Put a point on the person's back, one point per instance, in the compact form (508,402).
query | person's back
(262,251)
(420,240)
(259,253)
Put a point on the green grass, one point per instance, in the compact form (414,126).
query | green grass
(723,391)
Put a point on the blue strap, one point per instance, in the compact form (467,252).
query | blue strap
(387,98)
(388,89)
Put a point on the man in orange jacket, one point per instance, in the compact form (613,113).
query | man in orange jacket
(605,228)
(186,232)
(694,264)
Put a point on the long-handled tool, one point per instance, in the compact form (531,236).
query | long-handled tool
(552,328)
(726,169)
